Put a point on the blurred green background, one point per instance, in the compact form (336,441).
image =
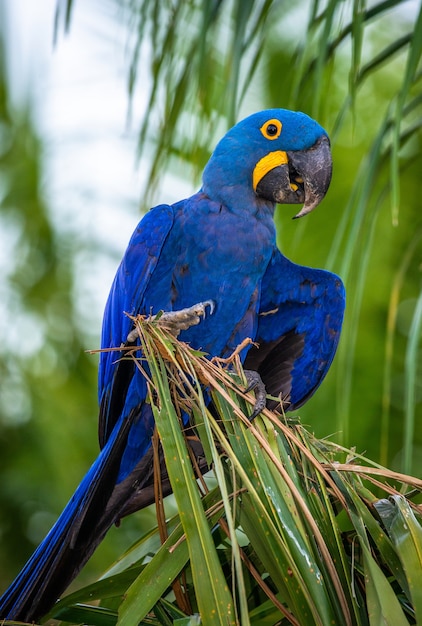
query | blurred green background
(175,76)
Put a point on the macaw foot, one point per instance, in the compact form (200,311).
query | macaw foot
(255,384)
(176,321)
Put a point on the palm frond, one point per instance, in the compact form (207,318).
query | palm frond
(294,530)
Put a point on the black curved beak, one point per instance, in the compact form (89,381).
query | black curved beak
(304,179)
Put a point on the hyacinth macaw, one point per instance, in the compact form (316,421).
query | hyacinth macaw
(217,249)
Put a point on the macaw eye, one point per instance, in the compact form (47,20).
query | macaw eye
(271,129)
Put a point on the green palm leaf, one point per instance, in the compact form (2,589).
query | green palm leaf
(295,530)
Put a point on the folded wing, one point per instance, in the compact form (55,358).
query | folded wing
(300,318)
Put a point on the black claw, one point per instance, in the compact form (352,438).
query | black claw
(255,384)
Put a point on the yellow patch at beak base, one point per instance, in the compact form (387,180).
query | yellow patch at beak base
(268,163)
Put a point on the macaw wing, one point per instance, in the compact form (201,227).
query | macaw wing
(300,318)
(115,388)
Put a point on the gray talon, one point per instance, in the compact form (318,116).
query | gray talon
(183,319)
(255,384)
(176,321)
(211,304)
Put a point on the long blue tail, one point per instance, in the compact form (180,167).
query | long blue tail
(74,536)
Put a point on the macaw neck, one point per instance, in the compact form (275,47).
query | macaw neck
(227,179)
(238,199)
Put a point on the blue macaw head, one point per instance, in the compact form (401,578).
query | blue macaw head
(271,156)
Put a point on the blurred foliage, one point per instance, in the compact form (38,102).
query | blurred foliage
(354,67)
(46,378)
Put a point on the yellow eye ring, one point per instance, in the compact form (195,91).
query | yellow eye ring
(271,129)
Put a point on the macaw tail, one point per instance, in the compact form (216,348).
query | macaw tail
(73,538)
(99,502)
